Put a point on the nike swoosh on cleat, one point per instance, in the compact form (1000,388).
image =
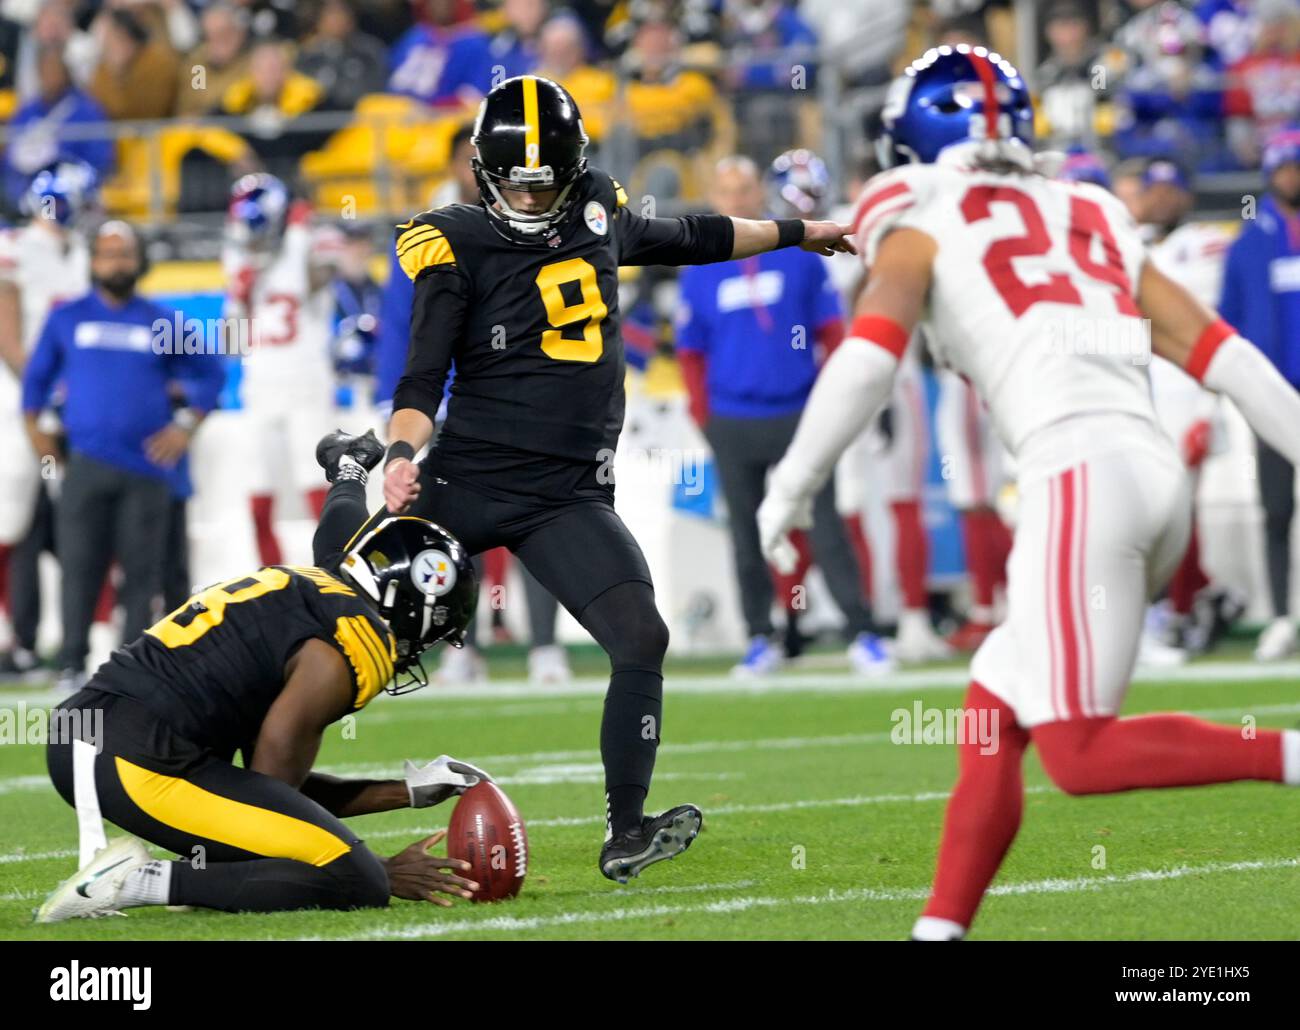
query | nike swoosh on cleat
(81,887)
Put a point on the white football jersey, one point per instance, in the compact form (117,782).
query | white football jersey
(290,325)
(1192,256)
(1033,287)
(46,267)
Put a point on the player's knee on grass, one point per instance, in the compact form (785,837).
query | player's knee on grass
(361,877)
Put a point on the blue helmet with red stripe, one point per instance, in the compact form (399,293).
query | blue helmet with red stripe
(61,191)
(259,206)
(953,94)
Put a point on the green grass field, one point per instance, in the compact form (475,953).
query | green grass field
(816,824)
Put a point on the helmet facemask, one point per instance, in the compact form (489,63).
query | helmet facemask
(526,180)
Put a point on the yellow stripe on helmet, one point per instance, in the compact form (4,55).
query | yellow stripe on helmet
(532,125)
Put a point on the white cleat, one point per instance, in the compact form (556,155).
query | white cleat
(1277,641)
(761,659)
(1155,655)
(95,888)
(549,666)
(916,640)
(461,667)
(871,655)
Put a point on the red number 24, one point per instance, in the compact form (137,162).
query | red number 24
(1087,221)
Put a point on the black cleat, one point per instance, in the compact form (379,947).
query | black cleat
(365,450)
(662,836)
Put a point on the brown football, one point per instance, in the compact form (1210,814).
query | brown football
(486,832)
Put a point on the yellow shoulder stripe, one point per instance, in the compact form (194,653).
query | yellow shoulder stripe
(419,234)
(620,194)
(434,250)
(371,661)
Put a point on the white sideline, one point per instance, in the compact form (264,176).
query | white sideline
(830,682)
(831,897)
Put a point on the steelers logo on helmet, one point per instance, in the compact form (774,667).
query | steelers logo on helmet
(421,582)
(433,572)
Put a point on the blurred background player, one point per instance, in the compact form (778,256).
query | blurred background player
(41,263)
(126,441)
(357,302)
(971,463)
(798,186)
(1192,254)
(276,284)
(1261,294)
(749,335)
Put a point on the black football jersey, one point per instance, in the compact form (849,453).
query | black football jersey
(532,322)
(212,668)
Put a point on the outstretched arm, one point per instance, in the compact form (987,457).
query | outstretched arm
(852,386)
(704,239)
(1206,347)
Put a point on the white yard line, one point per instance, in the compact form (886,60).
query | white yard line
(596,820)
(853,895)
(18,784)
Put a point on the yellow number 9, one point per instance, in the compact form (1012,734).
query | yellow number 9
(560,314)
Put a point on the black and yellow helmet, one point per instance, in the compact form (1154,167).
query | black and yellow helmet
(421,581)
(528,137)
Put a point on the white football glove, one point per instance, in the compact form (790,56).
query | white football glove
(441,779)
(780,512)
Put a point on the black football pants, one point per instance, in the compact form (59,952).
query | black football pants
(246,842)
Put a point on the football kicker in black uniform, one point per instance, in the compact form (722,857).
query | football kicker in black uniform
(263,665)
(520,291)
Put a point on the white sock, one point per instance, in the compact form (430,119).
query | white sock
(1291,757)
(149,885)
(350,468)
(981,615)
(931,928)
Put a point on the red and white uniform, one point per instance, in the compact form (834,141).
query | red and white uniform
(1033,301)
(46,267)
(970,457)
(909,431)
(288,375)
(1192,256)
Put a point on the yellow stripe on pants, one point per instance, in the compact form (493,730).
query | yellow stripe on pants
(191,809)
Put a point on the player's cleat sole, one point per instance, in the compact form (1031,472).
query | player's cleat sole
(93,890)
(365,450)
(660,837)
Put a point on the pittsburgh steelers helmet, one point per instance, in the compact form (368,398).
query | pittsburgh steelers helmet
(528,136)
(421,581)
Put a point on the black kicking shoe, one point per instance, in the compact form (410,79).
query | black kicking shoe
(365,450)
(662,836)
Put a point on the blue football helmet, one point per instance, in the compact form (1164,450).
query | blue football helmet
(259,205)
(949,95)
(1084,166)
(798,185)
(61,191)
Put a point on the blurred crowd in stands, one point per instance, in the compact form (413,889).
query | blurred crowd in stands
(362,100)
